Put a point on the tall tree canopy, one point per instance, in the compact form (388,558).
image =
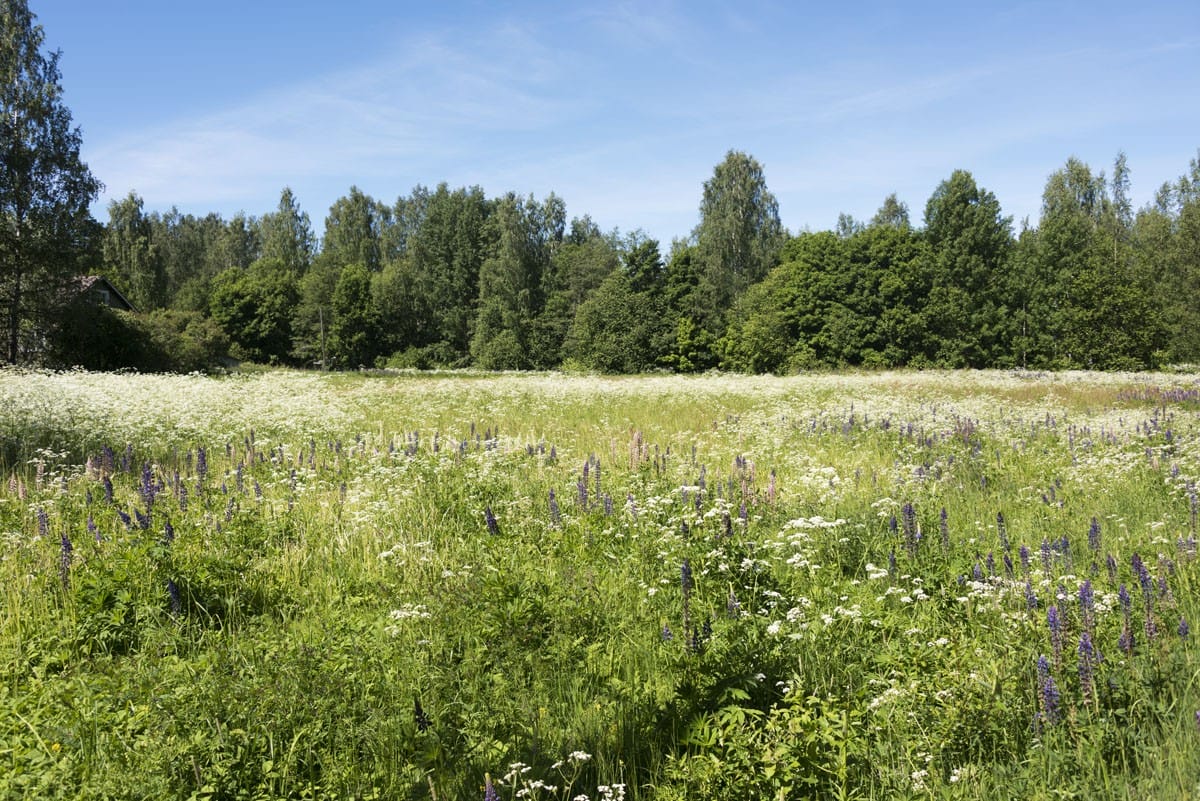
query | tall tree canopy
(45,188)
(739,234)
(131,258)
(287,236)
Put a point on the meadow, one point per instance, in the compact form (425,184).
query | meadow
(286,585)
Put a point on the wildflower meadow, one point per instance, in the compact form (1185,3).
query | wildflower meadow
(286,585)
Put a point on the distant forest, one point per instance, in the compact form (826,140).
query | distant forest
(452,278)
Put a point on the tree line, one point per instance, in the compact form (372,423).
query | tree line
(449,277)
(452,278)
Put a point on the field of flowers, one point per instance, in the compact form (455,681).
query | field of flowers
(896,585)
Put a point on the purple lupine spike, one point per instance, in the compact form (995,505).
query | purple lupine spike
(1110,564)
(173,597)
(944,526)
(666,633)
(1055,625)
(1031,601)
(168,533)
(43,521)
(493,526)
(608,505)
(581,497)
(93,529)
(148,488)
(1125,642)
(1094,535)
(1144,579)
(631,504)
(1183,629)
(1048,691)
(489,792)
(555,517)
(64,561)
(125,518)
(1046,556)
(1087,663)
(1002,531)
(1087,603)
(1023,553)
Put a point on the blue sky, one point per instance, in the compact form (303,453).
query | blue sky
(622,109)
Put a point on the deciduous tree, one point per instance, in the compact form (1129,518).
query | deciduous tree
(45,187)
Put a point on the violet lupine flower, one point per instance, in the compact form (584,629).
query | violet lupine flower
(64,561)
(1094,535)
(581,493)
(1111,563)
(1002,531)
(1055,625)
(727,521)
(1031,601)
(1125,642)
(1008,566)
(126,519)
(1087,663)
(1143,576)
(1046,556)
(1183,629)
(173,597)
(43,522)
(1087,603)
(1023,553)
(944,526)
(93,529)
(1047,691)
(608,505)
(489,792)
(168,533)
(555,517)
(991,564)
(912,532)
(1126,601)
(148,488)
(201,465)
(493,526)
(631,503)
(667,634)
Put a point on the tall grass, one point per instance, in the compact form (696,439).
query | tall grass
(287,585)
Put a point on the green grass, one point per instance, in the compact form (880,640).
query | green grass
(333,569)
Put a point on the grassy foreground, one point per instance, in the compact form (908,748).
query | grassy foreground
(908,585)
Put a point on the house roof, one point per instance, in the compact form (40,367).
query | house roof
(89,283)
